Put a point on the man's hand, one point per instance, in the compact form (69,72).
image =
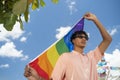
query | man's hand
(27,71)
(90,16)
(31,74)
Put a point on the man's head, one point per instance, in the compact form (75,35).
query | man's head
(81,37)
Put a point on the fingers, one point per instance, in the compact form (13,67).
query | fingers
(31,74)
(27,71)
(89,16)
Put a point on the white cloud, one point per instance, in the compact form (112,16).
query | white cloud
(23,19)
(88,34)
(23,39)
(114,58)
(14,34)
(9,50)
(24,58)
(4,66)
(113,31)
(71,5)
(62,31)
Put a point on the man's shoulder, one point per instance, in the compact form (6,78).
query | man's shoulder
(65,54)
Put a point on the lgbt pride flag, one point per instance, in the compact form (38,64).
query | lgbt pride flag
(45,62)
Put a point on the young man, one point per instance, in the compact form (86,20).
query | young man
(76,65)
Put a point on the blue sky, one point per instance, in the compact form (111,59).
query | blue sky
(47,24)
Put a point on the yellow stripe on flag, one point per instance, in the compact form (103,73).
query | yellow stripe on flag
(52,55)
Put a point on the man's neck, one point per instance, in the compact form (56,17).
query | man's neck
(78,49)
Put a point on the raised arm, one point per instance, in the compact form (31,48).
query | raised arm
(106,37)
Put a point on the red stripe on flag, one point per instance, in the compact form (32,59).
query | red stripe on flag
(40,72)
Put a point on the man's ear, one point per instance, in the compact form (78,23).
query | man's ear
(73,41)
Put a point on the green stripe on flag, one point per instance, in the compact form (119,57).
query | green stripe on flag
(61,47)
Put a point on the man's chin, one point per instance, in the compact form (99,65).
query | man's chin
(82,46)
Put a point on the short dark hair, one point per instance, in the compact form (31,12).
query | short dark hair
(78,33)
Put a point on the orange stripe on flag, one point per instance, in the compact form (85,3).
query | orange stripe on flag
(40,71)
(44,63)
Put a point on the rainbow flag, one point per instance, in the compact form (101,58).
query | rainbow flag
(45,62)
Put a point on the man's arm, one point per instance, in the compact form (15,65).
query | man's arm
(106,37)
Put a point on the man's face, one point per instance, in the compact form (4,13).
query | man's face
(80,40)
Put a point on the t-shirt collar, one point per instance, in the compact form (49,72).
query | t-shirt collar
(76,53)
